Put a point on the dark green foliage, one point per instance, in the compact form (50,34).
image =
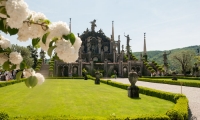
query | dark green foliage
(34,55)
(3,84)
(157,56)
(4,116)
(25,53)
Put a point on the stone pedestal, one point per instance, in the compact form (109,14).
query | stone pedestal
(133,92)
(97,80)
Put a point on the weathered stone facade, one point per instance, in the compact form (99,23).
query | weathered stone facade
(99,52)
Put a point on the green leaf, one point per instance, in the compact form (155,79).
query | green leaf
(56,57)
(47,22)
(27,82)
(66,37)
(12,31)
(50,50)
(19,74)
(13,67)
(70,37)
(44,37)
(6,65)
(53,40)
(3,25)
(22,65)
(3,10)
(35,41)
(31,81)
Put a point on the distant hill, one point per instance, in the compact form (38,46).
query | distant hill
(157,55)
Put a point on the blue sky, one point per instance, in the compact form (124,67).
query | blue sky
(168,24)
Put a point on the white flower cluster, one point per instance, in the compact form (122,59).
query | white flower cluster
(4,43)
(18,12)
(3,59)
(30,72)
(56,29)
(66,51)
(15,58)
(32,30)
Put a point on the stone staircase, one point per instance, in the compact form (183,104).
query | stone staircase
(44,70)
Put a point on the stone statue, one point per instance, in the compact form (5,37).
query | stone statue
(118,37)
(133,90)
(165,58)
(88,44)
(128,39)
(133,77)
(122,47)
(93,25)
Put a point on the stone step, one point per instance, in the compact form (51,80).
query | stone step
(44,70)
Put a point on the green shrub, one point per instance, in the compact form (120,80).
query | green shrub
(6,83)
(112,76)
(4,116)
(174,115)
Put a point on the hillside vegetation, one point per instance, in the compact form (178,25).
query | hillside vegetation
(157,56)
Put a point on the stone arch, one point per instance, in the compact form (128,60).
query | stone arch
(125,71)
(133,68)
(60,68)
(75,71)
(66,69)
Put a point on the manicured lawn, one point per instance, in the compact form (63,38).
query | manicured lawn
(76,98)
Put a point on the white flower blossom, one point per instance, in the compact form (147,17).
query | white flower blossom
(28,72)
(4,43)
(40,78)
(15,58)
(3,58)
(58,29)
(66,51)
(32,30)
(18,12)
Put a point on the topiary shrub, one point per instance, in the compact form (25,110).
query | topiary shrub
(4,116)
(174,115)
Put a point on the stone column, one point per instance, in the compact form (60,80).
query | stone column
(89,56)
(102,55)
(105,67)
(91,65)
(114,55)
(120,69)
(118,45)
(80,66)
(111,46)
(129,66)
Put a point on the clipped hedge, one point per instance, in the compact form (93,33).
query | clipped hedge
(172,82)
(11,82)
(180,110)
(65,78)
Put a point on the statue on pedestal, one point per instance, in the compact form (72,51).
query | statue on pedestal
(133,90)
(97,80)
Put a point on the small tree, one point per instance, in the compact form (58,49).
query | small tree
(184,59)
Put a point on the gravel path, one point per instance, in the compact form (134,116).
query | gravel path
(192,93)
